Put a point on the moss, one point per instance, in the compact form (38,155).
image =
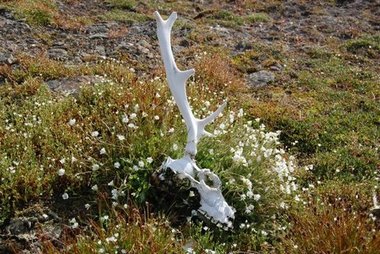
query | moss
(368,46)
(125,16)
(257,17)
(122,4)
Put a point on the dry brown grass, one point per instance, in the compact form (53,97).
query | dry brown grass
(136,232)
(337,223)
(217,72)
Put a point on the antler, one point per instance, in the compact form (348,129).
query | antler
(212,201)
(177,84)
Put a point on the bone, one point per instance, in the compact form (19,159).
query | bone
(212,200)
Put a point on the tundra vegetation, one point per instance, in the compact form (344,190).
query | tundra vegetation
(298,156)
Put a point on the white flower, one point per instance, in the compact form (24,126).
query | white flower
(74,223)
(94,134)
(72,122)
(133,116)
(241,112)
(62,161)
(87,206)
(116,165)
(111,183)
(115,194)
(65,196)
(171,130)
(175,147)
(111,239)
(121,137)
(94,188)
(103,151)
(131,125)
(144,114)
(95,167)
(156,118)
(257,197)
(141,164)
(61,172)
(149,160)
(125,119)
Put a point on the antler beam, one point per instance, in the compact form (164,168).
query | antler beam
(177,84)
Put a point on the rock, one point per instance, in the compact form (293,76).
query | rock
(6,13)
(122,45)
(184,43)
(19,226)
(260,78)
(99,36)
(243,45)
(142,49)
(7,58)
(101,50)
(31,226)
(57,53)
(144,44)
(72,85)
(2,81)
(222,31)
(376,211)
(276,67)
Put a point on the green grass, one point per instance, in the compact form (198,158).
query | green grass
(369,45)
(122,4)
(119,132)
(258,17)
(37,13)
(125,16)
(325,101)
(331,112)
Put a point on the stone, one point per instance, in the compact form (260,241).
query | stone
(143,49)
(99,36)
(243,45)
(184,43)
(7,58)
(19,226)
(376,211)
(276,67)
(101,50)
(57,53)
(71,86)
(260,78)
(144,44)
(2,81)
